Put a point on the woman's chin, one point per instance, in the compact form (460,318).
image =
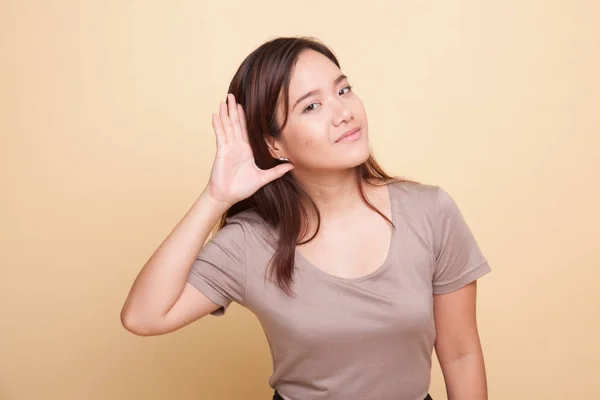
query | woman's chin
(358,154)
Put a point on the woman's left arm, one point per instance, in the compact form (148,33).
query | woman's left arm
(457,344)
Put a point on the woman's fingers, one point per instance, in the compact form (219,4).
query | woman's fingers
(275,172)
(243,125)
(226,122)
(232,121)
(234,117)
(219,132)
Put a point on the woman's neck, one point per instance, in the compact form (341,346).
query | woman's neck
(337,196)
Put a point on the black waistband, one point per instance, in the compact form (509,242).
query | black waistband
(277,396)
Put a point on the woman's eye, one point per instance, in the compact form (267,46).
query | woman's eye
(309,107)
(347,89)
(313,106)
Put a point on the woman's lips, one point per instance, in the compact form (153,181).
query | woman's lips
(352,136)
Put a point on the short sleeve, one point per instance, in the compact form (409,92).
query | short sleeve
(219,271)
(458,258)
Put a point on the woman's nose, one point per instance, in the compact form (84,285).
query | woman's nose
(342,113)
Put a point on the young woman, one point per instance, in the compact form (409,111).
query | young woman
(355,276)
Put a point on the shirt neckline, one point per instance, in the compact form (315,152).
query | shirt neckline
(301,259)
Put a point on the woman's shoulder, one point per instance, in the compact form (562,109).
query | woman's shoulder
(252,224)
(245,217)
(414,194)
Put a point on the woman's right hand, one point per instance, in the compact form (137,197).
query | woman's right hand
(234,174)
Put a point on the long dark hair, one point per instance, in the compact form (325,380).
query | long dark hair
(257,85)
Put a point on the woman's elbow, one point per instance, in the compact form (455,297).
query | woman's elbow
(136,325)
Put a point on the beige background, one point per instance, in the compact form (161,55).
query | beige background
(106,141)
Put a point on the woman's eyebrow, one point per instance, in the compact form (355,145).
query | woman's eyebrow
(304,96)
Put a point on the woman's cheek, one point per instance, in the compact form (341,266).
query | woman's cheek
(309,142)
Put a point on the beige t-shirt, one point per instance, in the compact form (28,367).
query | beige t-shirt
(365,338)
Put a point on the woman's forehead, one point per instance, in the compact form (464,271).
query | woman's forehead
(313,70)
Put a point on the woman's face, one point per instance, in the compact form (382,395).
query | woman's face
(322,108)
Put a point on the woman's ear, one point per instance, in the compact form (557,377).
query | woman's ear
(273,145)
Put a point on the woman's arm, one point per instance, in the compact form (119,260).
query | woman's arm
(457,344)
(160,301)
